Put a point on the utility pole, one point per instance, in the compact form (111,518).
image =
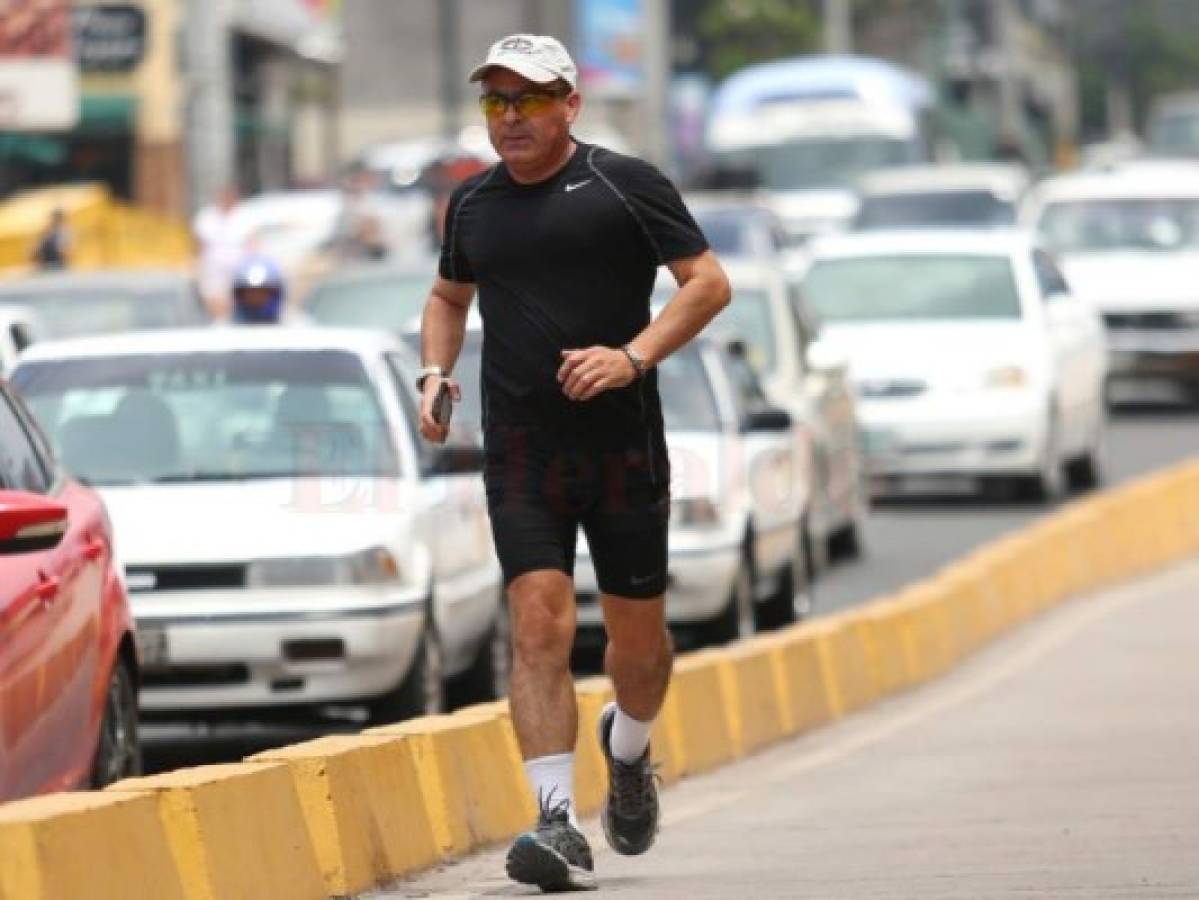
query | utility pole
(210,136)
(451,66)
(838,26)
(1005,27)
(658,70)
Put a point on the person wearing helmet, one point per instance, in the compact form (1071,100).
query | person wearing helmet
(259,293)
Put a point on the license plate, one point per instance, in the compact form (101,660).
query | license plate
(152,642)
(933,484)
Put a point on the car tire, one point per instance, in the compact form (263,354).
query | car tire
(792,599)
(118,752)
(487,677)
(1086,472)
(422,690)
(1049,483)
(736,620)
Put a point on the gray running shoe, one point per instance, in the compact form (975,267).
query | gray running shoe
(556,856)
(630,813)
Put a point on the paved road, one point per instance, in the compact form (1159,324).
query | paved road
(1062,762)
(904,542)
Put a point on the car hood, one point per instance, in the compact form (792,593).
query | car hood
(828,206)
(928,351)
(203,523)
(1132,280)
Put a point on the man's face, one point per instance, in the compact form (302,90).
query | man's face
(528,139)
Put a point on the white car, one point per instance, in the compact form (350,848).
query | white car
(971,359)
(766,315)
(288,540)
(1128,242)
(966,195)
(736,560)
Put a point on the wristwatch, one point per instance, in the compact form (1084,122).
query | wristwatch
(636,359)
(427,371)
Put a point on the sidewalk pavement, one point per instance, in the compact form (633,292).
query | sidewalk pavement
(1061,762)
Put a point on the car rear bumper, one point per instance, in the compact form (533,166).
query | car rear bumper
(216,650)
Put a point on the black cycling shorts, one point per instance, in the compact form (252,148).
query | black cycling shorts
(541,487)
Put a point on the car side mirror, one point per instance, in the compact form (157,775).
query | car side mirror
(456,458)
(824,358)
(30,522)
(767,418)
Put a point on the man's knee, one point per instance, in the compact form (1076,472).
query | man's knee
(543,617)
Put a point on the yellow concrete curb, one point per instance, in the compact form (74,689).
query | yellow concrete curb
(338,815)
(363,806)
(96,846)
(235,831)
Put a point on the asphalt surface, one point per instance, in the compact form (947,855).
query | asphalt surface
(904,541)
(1061,762)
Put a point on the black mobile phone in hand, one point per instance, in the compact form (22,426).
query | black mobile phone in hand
(443,405)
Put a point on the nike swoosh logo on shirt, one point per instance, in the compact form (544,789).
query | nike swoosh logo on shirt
(578,184)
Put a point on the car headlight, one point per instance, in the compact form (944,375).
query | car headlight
(376,565)
(1003,377)
(695,512)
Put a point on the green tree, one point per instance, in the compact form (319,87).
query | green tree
(732,34)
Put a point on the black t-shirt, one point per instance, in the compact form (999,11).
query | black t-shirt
(566,263)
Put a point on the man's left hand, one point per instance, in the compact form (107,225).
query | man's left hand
(587,373)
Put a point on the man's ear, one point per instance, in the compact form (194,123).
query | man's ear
(574,104)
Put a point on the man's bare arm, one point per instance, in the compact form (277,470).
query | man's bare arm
(443,328)
(703,292)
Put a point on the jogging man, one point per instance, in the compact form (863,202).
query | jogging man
(563,241)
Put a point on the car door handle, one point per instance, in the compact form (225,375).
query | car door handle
(47,589)
(94,549)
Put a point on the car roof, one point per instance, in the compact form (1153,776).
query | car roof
(100,278)
(217,339)
(996,177)
(1137,179)
(997,242)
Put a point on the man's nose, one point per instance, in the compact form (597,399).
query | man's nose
(511,114)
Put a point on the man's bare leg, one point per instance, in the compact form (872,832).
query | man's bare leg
(541,691)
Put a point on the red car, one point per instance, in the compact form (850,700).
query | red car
(68,660)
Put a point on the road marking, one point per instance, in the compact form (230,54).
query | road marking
(1055,634)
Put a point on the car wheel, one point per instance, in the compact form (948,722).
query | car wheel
(118,753)
(1086,472)
(792,599)
(487,677)
(1049,483)
(736,620)
(422,690)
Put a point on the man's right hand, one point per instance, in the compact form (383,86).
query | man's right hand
(429,429)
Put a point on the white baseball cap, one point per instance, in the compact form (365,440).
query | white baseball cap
(537,57)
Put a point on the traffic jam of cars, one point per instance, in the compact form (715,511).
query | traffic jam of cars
(201,522)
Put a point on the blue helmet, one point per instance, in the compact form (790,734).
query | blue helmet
(258,292)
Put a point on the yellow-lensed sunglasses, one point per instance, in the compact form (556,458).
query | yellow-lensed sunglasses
(526,103)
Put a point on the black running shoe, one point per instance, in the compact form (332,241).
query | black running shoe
(630,813)
(555,857)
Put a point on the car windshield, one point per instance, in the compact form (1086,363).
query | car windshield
(912,287)
(393,302)
(747,318)
(1157,224)
(825,163)
(1175,134)
(78,311)
(210,416)
(935,209)
(728,233)
(687,401)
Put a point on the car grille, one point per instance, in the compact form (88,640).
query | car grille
(195,676)
(185,578)
(1160,320)
(891,388)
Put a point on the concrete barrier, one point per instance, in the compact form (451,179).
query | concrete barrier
(468,778)
(363,806)
(93,846)
(234,831)
(338,815)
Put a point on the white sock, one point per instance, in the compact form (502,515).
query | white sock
(552,779)
(629,737)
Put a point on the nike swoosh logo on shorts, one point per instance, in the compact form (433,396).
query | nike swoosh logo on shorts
(646,580)
(570,187)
